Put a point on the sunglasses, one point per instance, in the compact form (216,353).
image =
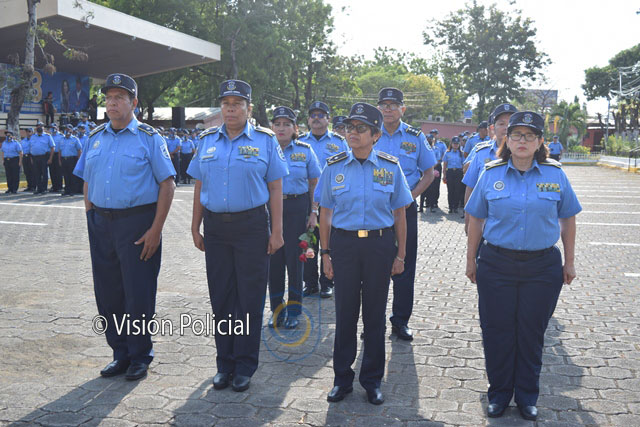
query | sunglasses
(317,115)
(361,128)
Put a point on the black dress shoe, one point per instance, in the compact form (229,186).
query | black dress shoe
(528,412)
(240,382)
(114,368)
(291,322)
(221,380)
(338,393)
(279,322)
(495,410)
(375,396)
(309,290)
(136,371)
(402,332)
(326,293)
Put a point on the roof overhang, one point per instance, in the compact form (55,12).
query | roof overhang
(114,41)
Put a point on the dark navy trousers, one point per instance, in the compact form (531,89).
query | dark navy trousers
(516,299)
(124,284)
(40,176)
(12,170)
(55,171)
(294,219)
(27,165)
(403,283)
(362,269)
(237,272)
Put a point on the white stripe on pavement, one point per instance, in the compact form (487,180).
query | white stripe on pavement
(632,274)
(608,224)
(611,212)
(21,223)
(183,191)
(605,196)
(34,205)
(610,203)
(635,245)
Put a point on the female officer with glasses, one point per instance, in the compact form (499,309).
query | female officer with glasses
(238,170)
(363,237)
(526,202)
(297,188)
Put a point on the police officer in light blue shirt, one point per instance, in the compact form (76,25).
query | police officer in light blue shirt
(555,148)
(11,156)
(174,144)
(27,160)
(417,160)
(238,170)
(42,148)
(55,167)
(452,173)
(363,235)
(128,190)
(432,194)
(324,144)
(482,135)
(187,148)
(297,188)
(70,151)
(526,203)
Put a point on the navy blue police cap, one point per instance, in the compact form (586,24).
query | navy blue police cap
(434,131)
(502,109)
(172,129)
(235,88)
(555,136)
(285,112)
(483,125)
(338,121)
(8,132)
(430,136)
(53,125)
(391,94)
(366,113)
(455,140)
(69,127)
(39,123)
(466,132)
(319,105)
(29,129)
(121,81)
(528,119)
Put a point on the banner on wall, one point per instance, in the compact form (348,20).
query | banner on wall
(69,92)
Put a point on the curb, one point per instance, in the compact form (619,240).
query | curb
(625,169)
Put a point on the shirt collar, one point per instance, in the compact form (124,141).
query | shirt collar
(247,131)
(373,157)
(131,127)
(401,128)
(534,166)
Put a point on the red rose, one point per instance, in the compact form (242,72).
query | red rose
(302,258)
(303,244)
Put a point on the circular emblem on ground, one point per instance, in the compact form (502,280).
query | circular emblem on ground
(498,185)
(339,178)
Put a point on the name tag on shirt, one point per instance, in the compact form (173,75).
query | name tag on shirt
(382,176)
(547,187)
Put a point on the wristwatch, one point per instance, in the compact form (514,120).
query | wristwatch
(325,252)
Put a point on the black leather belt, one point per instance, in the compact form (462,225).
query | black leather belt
(519,255)
(364,233)
(123,213)
(235,216)
(293,196)
(69,157)
(454,169)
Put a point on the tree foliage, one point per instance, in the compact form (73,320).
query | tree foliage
(567,116)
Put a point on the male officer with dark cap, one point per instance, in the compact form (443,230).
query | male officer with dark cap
(417,161)
(481,136)
(128,192)
(70,151)
(11,157)
(174,145)
(338,126)
(42,147)
(27,162)
(55,168)
(324,144)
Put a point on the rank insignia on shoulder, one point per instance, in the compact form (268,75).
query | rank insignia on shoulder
(552,162)
(339,136)
(389,157)
(98,129)
(209,131)
(413,131)
(479,146)
(337,157)
(265,130)
(494,163)
(149,130)
(302,144)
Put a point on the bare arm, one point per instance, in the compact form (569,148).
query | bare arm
(326,216)
(151,238)
(400,225)
(87,204)
(568,235)
(473,240)
(425,181)
(276,240)
(313,218)
(196,217)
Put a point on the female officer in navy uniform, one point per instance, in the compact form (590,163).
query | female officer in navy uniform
(297,188)
(528,203)
(363,197)
(238,170)
(452,173)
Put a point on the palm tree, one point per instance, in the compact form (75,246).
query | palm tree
(570,117)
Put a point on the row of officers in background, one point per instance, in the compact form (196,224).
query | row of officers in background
(257,190)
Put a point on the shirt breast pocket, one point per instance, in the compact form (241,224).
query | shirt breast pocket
(298,170)
(501,205)
(92,157)
(548,203)
(134,160)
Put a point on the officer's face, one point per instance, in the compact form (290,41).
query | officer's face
(482,132)
(358,140)
(523,142)
(235,111)
(391,111)
(340,130)
(284,129)
(119,104)
(500,127)
(318,122)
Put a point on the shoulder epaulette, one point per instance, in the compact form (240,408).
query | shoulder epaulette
(338,136)
(265,130)
(480,145)
(386,156)
(337,157)
(149,130)
(552,162)
(302,144)
(209,131)
(413,131)
(494,163)
(98,129)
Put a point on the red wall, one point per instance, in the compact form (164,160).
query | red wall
(446,129)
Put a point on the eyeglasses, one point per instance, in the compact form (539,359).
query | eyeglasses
(390,106)
(361,128)
(529,137)
(339,127)
(317,115)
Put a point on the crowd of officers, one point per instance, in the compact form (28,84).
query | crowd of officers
(257,190)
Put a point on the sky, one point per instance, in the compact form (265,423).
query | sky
(575,34)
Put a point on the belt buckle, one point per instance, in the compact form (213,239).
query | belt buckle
(363,233)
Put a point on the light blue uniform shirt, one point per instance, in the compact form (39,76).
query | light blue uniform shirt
(473,141)
(329,145)
(522,211)
(480,158)
(57,137)
(235,173)
(69,146)
(454,159)
(84,125)
(187,146)
(124,170)
(363,196)
(26,145)
(173,143)
(303,165)
(11,149)
(41,144)
(439,148)
(84,139)
(410,146)
(555,148)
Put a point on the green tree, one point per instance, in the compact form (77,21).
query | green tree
(570,116)
(494,50)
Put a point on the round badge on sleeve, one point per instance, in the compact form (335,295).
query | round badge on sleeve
(498,186)
(339,178)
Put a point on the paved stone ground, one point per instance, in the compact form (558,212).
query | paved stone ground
(50,358)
